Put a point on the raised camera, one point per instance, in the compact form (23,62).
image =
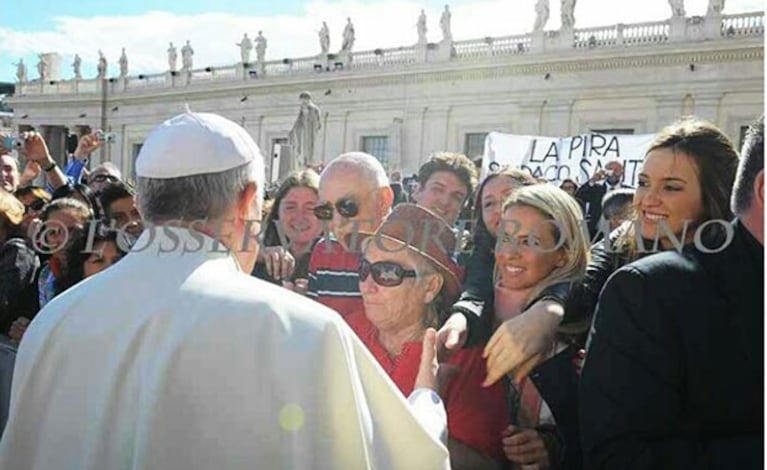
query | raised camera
(12,143)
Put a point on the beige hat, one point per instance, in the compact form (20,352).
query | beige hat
(194,144)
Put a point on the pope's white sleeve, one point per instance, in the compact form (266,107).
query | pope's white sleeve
(429,410)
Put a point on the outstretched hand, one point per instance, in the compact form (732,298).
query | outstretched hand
(452,336)
(432,374)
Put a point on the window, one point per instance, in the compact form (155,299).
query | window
(474,144)
(743,132)
(613,131)
(377,146)
(136,148)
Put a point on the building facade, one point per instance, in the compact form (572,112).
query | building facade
(403,104)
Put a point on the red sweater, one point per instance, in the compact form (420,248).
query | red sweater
(334,280)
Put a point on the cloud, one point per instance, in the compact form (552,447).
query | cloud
(377,24)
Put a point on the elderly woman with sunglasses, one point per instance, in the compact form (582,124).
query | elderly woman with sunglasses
(406,277)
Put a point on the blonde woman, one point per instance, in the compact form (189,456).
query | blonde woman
(541,243)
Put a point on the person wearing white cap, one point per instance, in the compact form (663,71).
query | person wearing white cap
(176,358)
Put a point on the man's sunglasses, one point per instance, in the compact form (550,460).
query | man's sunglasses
(102,178)
(385,273)
(346,207)
(36,205)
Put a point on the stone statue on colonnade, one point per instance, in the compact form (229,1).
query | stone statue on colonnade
(101,68)
(186,57)
(76,65)
(42,67)
(324,38)
(21,71)
(568,14)
(715,7)
(541,15)
(421,26)
(123,64)
(172,57)
(245,45)
(677,8)
(260,47)
(444,23)
(302,137)
(348,39)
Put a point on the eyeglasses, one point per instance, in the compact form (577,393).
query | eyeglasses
(36,205)
(385,273)
(102,178)
(346,207)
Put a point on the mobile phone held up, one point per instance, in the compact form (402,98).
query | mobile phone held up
(106,137)
(13,143)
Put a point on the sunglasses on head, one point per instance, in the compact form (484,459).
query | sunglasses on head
(345,207)
(385,273)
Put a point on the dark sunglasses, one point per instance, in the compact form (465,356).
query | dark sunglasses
(385,273)
(102,178)
(36,205)
(346,207)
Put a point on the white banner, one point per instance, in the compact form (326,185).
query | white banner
(559,158)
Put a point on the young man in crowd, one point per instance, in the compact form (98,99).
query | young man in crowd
(616,208)
(673,377)
(445,183)
(119,203)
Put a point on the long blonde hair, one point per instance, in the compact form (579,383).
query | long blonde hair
(559,207)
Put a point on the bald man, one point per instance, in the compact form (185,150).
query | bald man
(354,196)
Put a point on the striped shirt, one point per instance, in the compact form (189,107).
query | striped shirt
(334,278)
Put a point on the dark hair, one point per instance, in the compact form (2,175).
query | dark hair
(69,191)
(715,160)
(568,180)
(481,235)
(67,203)
(617,202)
(76,256)
(751,163)
(302,179)
(115,191)
(454,163)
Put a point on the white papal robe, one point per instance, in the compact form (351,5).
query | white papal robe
(175,359)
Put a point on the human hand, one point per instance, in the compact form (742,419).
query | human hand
(299,287)
(280,264)
(18,328)
(524,447)
(87,145)
(35,149)
(31,171)
(432,374)
(452,336)
(522,342)
(598,176)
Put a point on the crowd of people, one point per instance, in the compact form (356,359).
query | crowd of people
(506,322)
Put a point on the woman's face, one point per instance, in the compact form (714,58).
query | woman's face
(395,308)
(34,207)
(569,188)
(493,195)
(297,217)
(58,231)
(105,254)
(668,194)
(527,250)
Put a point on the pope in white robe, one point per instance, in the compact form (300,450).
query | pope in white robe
(177,358)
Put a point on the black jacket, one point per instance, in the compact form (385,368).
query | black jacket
(19,266)
(673,375)
(590,197)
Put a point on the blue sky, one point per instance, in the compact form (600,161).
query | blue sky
(144,27)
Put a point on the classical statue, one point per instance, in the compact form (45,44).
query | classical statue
(324,38)
(444,23)
(715,7)
(172,57)
(186,56)
(348,41)
(568,14)
(677,8)
(301,137)
(260,47)
(76,64)
(246,45)
(101,68)
(123,64)
(21,71)
(421,26)
(541,15)
(42,67)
